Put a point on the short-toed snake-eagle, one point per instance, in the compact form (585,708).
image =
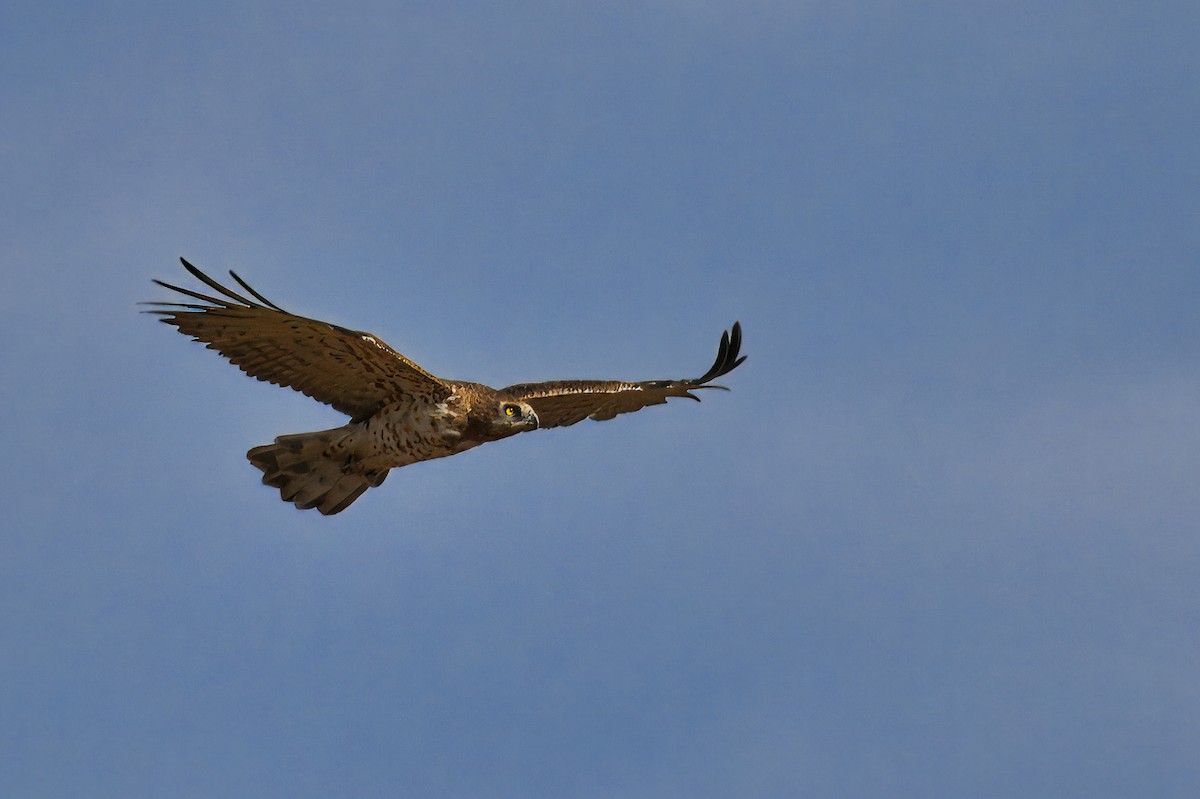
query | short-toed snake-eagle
(400,413)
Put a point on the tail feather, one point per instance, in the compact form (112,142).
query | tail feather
(311,470)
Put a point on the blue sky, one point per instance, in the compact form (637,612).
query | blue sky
(940,540)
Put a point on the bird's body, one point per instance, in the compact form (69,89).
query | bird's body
(329,469)
(400,414)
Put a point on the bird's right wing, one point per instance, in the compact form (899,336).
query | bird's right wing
(352,371)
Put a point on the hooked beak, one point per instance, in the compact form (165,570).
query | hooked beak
(533,418)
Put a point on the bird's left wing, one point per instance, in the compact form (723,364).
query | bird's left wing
(564,402)
(353,371)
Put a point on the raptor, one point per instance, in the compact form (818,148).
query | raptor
(399,413)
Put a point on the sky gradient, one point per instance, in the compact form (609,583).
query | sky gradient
(941,538)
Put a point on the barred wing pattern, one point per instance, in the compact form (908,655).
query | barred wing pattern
(352,371)
(564,402)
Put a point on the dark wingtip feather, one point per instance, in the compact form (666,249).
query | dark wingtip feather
(254,293)
(208,281)
(218,302)
(194,294)
(727,355)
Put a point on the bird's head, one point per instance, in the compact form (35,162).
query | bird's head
(514,416)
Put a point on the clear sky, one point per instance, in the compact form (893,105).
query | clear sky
(940,540)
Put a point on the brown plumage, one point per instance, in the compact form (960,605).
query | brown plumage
(400,413)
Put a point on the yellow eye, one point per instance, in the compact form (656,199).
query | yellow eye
(510,410)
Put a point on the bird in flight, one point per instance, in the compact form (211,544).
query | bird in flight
(399,413)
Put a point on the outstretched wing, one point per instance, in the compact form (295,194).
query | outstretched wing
(563,402)
(353,371)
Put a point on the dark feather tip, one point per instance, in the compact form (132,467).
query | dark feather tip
(228,298)
(727,355)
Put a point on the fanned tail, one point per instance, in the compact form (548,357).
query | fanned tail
(311,470)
